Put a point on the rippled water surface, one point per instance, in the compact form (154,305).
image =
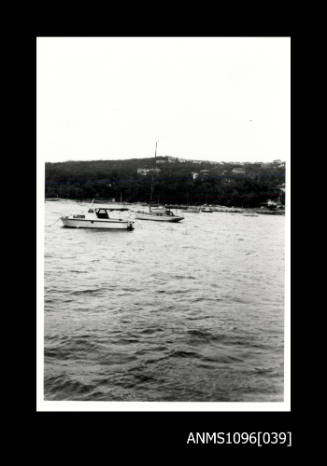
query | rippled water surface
(167,312)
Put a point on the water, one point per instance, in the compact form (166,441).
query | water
(167,312)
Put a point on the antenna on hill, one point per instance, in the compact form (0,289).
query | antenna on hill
(155,153)
(154,165)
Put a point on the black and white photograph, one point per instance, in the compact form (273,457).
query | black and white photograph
(163,205)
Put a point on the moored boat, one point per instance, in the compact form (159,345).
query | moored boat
(97,217)
(271,211)
(158,214)
(206,209)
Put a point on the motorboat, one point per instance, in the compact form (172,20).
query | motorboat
(97,217)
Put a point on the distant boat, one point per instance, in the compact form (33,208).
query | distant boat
(97,217)
(206,209)
(157,213)
(271,211)
(195,210)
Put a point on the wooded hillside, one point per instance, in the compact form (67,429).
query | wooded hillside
(178,182)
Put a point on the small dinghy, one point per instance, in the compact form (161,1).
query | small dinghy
(97,217)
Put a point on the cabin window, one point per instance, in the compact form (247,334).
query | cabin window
(102,213)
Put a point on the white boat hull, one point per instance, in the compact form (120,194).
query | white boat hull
(103,224)
(158,218)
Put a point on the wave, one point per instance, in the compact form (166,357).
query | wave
(87,291)
(160,316)
(64,387)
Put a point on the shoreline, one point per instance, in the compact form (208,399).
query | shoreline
(215,208)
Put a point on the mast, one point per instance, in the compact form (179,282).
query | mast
(152,175)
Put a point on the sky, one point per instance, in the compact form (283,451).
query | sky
(217,99)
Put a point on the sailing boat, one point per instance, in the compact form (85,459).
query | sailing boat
(158,213)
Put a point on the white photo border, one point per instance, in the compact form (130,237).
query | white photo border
(43,405)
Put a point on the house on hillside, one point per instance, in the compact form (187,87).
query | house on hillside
(197,162)
(271,203)
(170,159)
(279,163)
(238,171)
(146,171)
(204,172)
(194,175)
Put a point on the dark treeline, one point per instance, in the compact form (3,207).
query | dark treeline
(177,182)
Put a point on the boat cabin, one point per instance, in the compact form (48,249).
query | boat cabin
(169,213)
(162,211)
(99,212)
